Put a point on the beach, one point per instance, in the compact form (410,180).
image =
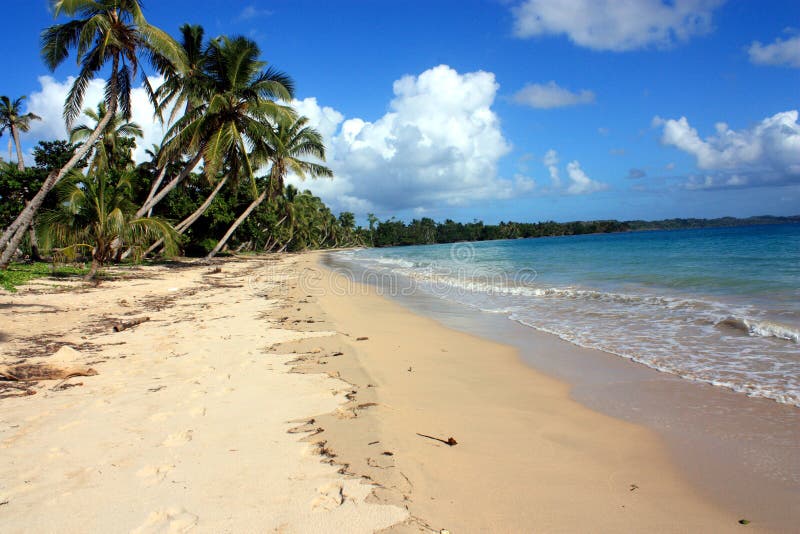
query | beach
(272,394)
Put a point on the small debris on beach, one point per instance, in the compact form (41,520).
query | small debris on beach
(363,338)
(122,325)
(449,441)
(744,522)
(634,487)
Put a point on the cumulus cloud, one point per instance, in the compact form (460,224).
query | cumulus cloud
(48,103)
(550,161)
(438,144)
(781,52)
(615,25)
(579,182)
(550,95)
(767,153)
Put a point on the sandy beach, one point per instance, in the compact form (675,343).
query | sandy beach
(270,394)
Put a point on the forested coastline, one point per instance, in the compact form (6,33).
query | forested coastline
(426,231)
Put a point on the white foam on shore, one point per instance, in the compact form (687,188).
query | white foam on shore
(734,346)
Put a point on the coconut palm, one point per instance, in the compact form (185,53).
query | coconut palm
(13,120)
(187,88)
(103,32)
(284,146)
(94,212)
(111,151)
(239,103)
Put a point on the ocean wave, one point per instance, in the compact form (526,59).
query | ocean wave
(761,328)
(479,284)
(682,369)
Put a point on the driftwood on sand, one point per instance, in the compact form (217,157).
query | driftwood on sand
(124,325)
(28,372)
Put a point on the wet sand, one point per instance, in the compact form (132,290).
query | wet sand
(739,452)
(529,457)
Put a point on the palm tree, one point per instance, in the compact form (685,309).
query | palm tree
(103,32)
(94,212)
(110,151)
(14,121)
(239,100)
(186,89)
(288,142)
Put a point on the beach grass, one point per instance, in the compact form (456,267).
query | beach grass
(19,274)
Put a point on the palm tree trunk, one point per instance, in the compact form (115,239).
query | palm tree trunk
(253,205)
(14,233)
(154,188)
(34,243)
(10,154)
(15,135)
(158,197)
(184,225)
(93,270)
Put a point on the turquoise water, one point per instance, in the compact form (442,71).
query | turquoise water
(719,305)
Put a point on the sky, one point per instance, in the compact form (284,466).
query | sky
(497,110)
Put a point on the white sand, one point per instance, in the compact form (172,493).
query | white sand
(184,427)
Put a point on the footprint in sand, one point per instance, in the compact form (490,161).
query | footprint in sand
(153,474)
(330,497)
(178,438)
(167,520)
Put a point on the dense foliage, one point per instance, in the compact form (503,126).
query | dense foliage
(425,231)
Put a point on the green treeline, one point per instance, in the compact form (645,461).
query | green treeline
(426,231)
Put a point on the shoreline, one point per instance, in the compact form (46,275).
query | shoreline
(250,401)
(529,457)
(740,452)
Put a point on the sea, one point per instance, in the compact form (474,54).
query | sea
(714,305)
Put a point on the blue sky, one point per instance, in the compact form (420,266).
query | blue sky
(524,110)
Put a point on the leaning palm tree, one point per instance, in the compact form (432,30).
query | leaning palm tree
(238,102)
(284,147)
(108,152)
(95,211)
(102,32)
(13,120)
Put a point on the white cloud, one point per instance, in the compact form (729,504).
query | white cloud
(616,25)
(252,12)
(767,153)
(48,103)
(550,95)
(781,52)
(439,144)
(550,161)
(579,182)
